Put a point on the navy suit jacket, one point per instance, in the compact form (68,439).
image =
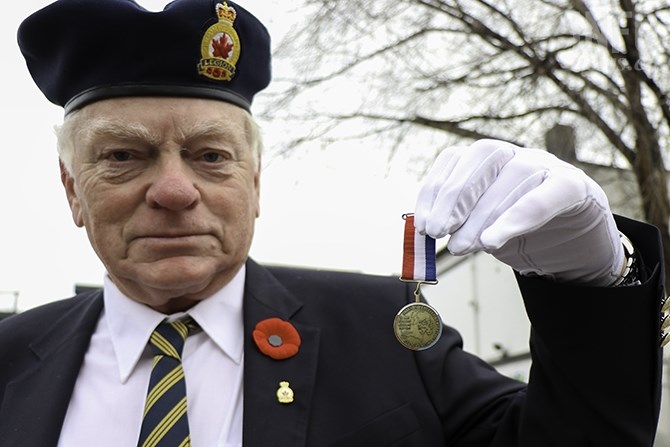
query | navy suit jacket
(595,379)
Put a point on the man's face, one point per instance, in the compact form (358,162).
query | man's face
(168,191)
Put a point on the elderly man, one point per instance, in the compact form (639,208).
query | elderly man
(192,343)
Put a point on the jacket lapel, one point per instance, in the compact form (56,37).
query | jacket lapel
(267,422)
(36,402)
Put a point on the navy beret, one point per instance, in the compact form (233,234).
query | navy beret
(81,51)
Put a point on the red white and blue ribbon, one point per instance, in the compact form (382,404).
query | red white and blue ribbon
(418,262)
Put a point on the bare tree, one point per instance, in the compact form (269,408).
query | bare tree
(427,73)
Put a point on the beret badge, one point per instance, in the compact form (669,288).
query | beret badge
(220,48)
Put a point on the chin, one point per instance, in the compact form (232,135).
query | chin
(180,276)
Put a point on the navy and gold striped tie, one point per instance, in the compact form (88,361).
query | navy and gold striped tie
(165,423)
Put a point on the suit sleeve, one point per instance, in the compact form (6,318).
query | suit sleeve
(596,374)
(596,355)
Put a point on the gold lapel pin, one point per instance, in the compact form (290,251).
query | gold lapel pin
(284,393)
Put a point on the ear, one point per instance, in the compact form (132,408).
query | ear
(71,193)
(257,188)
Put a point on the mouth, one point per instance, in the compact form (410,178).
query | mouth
(167,233)
(156,246)
(171,235)
(172,239)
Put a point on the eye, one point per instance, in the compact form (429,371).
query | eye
(214,157)
(120,156)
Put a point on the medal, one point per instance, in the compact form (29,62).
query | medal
(417,326)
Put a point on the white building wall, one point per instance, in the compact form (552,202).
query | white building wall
(479,296)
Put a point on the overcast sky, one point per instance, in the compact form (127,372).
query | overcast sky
(338,208)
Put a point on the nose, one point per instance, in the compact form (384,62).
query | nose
(172,187)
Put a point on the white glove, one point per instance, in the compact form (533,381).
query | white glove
(530,210)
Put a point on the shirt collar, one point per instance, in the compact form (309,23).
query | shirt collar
(131,323)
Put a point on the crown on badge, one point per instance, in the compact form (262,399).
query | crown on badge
(225,12)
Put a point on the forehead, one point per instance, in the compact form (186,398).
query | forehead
(160,117)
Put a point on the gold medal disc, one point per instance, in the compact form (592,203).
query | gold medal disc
(417,326)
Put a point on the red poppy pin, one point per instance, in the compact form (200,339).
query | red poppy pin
(277,338)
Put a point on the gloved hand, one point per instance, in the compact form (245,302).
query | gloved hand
(530,210)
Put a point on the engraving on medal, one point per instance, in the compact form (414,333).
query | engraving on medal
(417,326)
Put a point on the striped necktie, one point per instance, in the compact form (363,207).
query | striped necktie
(165,423)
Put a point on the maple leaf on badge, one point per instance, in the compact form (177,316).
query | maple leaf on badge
(222,46)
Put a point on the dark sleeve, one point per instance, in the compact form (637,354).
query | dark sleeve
(596,373)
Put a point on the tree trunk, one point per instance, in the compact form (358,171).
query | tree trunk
(652,181)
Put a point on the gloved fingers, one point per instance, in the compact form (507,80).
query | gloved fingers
(511,186)
(442,168)
(564,194)
(451,192)
(526,207)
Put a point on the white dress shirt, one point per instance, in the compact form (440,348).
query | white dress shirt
(108,398)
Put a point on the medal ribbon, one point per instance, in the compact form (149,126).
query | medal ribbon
(418,262)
